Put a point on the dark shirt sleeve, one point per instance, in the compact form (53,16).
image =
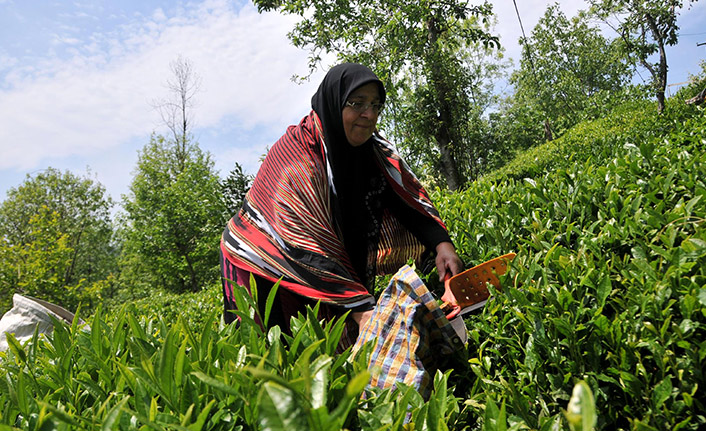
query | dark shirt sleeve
(425,228)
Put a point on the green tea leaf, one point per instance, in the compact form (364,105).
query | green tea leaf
(694,246)
(662,392)
(166,362)
(270,300)
(494,419)
(702,296)
(263,374)
(61,414)
(96,332)
(179,363)
(112,419)
(319,381)
(215,383)
(202,417)
(280,409)
(356,385)
(15,347)
(603,290)
(581,411)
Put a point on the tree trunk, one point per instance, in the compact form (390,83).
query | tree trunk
(193,283)
(661,73)
(698,99)
(444,134)
(448,162)
(662,81)
(548,135)
(68,275)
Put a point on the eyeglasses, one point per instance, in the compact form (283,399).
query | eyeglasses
(361,107)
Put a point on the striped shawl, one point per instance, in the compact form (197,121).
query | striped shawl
(287,226)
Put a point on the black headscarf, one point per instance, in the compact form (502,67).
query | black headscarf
(352,167)
(330,98)
(328,103)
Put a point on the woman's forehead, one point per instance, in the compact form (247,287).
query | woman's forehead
(367,90)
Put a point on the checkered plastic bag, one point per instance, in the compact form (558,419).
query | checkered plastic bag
(410,335)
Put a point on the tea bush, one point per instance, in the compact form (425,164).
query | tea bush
(607,287)
(194,307)
(595,141)
(130,372)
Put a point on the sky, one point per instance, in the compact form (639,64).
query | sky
(79,78)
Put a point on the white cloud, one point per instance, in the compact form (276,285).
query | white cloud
(99,99)
(63,40)
(7,62)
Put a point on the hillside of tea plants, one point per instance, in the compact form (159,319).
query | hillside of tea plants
(609,285)
(608,288)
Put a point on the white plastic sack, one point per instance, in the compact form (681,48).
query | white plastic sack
(28,313)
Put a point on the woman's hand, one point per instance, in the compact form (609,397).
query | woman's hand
(361,317)
(447,262)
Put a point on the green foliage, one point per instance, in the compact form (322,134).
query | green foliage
(568,73)
(600,325)
(234,188)
(130,372)
(513,129)
(581,411)
(645,27)
(594,140)
(417,49)
(173,217)
(195,308)
(568,70)
(38,267)
(608,283)
(468,70)
(56,240)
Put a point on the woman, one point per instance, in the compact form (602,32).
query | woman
(332,206)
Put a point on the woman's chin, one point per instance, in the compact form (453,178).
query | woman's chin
(358,140)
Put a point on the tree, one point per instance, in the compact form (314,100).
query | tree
(176,110)
(472,69)
(56,238)
(412,46)
(646,27)
(234,188)
(568,71)
(38,267)
(174,215)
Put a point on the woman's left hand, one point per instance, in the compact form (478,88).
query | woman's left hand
(447,261)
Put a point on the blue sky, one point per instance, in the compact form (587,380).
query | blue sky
(78,78)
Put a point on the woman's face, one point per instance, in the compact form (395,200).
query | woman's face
(359,126)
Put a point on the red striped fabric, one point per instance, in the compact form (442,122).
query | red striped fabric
(286,226)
